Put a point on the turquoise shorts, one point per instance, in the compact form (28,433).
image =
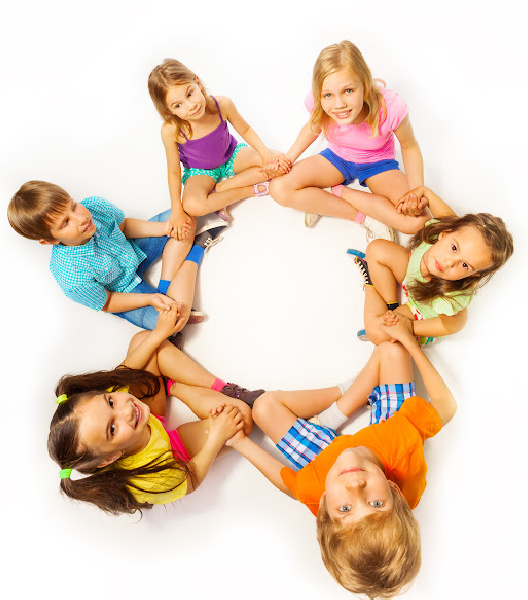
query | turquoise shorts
(222,172)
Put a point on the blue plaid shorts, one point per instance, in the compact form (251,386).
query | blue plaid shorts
(385,400)
(304,441)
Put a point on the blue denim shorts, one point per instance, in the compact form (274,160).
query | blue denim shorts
(304,441)
(146,317)
(359,171)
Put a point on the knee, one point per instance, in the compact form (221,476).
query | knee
(137,338)
(375,250)
(391,352)
(413,225)
(280,190)
(263,409)
(195,205)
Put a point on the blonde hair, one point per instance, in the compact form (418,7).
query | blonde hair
(173,72)
(347,56)
(35,206)
(376,556)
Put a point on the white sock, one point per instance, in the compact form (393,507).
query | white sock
(346,384)
(332,417)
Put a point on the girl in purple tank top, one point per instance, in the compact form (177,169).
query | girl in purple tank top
(195,133)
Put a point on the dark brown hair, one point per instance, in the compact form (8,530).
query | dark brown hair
(110,487)
(34,207)
(498,239)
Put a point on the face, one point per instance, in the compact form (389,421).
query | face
(342,97)
(186,101)
(356,487)
(113,423)
(457,254)
(72,227)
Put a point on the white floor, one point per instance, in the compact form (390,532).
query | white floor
(284,302)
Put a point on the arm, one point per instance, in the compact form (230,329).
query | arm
(137,228)
(124,301)
(179,220)
(267,464)
(242,127)
(304,140)
(441,325)
(423,197)
(222,426)
(411,153)
(440,396)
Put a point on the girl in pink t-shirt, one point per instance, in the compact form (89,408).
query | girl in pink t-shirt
(359,118)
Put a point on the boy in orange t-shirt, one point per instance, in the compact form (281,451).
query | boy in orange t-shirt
(361,487)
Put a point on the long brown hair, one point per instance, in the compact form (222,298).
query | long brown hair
(110,487)
(162,77)
(346,55)
(497,237)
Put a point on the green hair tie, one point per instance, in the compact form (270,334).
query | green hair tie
(62,398)
(65,473)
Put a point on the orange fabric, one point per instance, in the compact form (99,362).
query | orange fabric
(398,443)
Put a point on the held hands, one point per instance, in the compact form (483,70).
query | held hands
(275,164)
(398,327)
(226,424)
(413,203)
(179,226)
(169,321)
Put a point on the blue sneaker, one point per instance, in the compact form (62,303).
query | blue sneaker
(362,335)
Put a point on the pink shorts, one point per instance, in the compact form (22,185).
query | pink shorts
(178,449)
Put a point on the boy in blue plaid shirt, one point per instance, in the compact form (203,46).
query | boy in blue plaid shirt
(99,257)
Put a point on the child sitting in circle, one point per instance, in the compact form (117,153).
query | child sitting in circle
(110,425)
(359,118)
(195,133)
(362,487)
(443,266)
(99,257)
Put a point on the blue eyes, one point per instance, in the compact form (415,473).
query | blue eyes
(345,508)
(376,503)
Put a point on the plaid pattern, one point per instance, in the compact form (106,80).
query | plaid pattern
(304,441)
(107,262)
(222,172)
(385,400)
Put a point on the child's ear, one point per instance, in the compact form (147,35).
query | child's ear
(110,459)
(48,242)
(395,487)
(323,498)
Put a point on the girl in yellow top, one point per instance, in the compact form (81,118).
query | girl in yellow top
(103,430)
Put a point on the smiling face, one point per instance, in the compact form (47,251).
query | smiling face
(114,423)
(457,254)
(186,101)
(73,226)
(356,486)
(342,97)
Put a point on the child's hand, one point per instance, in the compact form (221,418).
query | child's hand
(161,302)
(413,203)
(179,226)
(398,327)
(168,320)
(275,165)
(225,421)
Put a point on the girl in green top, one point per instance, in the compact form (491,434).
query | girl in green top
(105,425)
(440,270)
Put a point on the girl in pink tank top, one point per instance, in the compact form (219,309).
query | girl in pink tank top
(195,133)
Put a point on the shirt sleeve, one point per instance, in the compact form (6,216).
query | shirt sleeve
(104,209)
(92,294)
(422,416)
(397,108)
(309,102)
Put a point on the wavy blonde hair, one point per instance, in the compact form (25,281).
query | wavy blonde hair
(346,55)
(378,555)
(162,77)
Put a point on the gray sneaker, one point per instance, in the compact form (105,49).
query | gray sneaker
(235,391)
(209,235)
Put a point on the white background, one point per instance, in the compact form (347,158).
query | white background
(284,302)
